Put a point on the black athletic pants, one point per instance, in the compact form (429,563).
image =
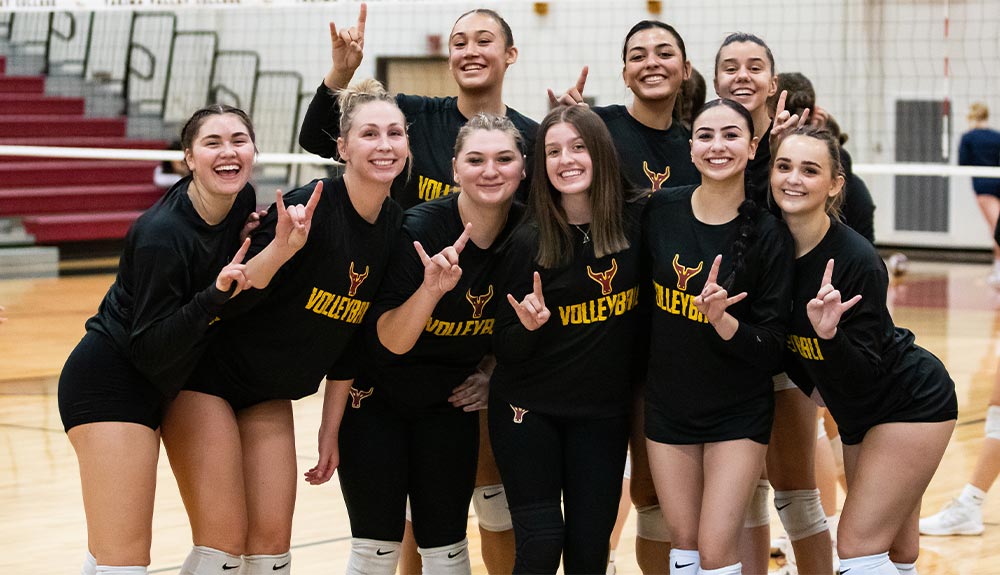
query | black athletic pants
(543,459)
(387,454)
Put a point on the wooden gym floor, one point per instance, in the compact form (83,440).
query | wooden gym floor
(949,306)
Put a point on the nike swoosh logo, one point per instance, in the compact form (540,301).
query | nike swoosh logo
(380,553)
(491,495)
(278,567)
(453,555)
(842,571)
(227,566)
(679,566)
(780,507)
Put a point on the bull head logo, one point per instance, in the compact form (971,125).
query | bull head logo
(356,280)
(479,301)
(657,180)
(357,395)
(685,273)
(604,278)
(518,413)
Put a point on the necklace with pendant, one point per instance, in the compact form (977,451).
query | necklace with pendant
(586,233)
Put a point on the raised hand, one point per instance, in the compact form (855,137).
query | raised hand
(252,223)
(441,272)
(531,310)
(784,122)
(348,44)
(713,301)
(826,309)
(574,95)
(294,222)
(472,395)
(233,276)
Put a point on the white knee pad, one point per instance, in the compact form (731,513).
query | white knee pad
(490,502)
(373,557)
(114,570)
(781,382)
(734,569)
(993,422)
(267,564)
(207,561)
(650,524)
(684,562)
(448,560)
(801,513)
(758,514)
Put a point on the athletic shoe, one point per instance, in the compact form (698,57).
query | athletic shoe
(612,570)
(957,518)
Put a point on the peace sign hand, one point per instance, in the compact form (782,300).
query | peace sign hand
(573,96)
(441,272)
(233,276)
(785,122)
(826,309)
(348,45)
(294,222)
(531,310)
(713,300)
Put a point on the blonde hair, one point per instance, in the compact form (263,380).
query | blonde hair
(978,112)
(359,93)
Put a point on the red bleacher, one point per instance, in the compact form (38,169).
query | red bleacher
(68,200)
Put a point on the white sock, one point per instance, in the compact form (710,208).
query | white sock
(734,569)
(89,565)
(447,560)
(906,568)
(684,562)
(996,266)
(267,564)
(373,557)
(111,570)
(972,495)
(868,565)
(207,561)
(611,556)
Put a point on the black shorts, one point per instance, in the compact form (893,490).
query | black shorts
(210,378)
(926,396)
(99,383)
(752,421)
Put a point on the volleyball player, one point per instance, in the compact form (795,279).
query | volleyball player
(480,49)
(565,348)
(430,328)
(149,331)
(654,149)
(980,146)
(893,401)
(229,434)
(709,400)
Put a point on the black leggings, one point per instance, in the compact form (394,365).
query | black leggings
(543,458)
(387,454)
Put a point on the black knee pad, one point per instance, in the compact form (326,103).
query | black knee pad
(539,533)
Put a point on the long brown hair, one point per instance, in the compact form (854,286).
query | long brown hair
(606,193)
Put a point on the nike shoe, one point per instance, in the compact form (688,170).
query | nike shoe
(956,518)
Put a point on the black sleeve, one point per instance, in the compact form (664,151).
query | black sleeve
(165,327)
(511,340)
(321,125)
(964,151)
(762,340)
(859,208)
(855,352)
(403,277)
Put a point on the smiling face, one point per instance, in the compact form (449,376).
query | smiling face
(744,73)
(654,64)
(721,143)
(375,147)
(221,154)
(489,167)
(567,160)
(802,178)
(478,55)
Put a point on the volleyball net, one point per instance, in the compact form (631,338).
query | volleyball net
(898,76)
